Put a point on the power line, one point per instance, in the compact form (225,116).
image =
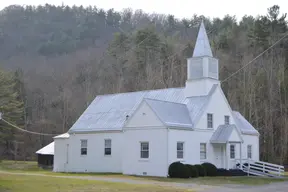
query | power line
(180,50)
(256,57)
(48,134)
(24,130)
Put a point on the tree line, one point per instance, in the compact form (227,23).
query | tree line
(59,58)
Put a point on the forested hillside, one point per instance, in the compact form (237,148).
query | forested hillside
(60,58)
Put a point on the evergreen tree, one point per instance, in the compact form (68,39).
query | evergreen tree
(11,109)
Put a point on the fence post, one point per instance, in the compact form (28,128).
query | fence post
(248,168)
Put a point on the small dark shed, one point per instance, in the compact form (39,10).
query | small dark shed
(46,156)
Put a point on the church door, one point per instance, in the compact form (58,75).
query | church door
(219,156)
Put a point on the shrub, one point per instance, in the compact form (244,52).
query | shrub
(237,172)
(230,172)
(192,170)
(201,170)
(211,169)
(223,172)
(178,170)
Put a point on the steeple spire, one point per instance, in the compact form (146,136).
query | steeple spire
(202,46)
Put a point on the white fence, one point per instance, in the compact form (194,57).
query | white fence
(260,168)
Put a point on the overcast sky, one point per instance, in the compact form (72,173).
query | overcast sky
(179,8)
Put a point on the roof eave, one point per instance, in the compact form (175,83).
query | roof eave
(252,134)
(44,153)
(94,131)
(218,142)
(181,128)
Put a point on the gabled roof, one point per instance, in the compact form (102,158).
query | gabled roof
(108,112)
(202,46)
(244,126)
(197,105)
(47,150)
(223,134)
(170,113)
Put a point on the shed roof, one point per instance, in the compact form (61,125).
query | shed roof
(47,150)
(223,134)
(62,136)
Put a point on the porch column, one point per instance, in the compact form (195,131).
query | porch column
(241,155)
(227,155)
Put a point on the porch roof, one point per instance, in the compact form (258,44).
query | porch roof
(223,134)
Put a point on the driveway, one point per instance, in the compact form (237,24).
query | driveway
(274,187)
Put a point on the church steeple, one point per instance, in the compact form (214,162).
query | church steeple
(202,46)
(202,67)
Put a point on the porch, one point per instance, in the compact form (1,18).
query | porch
(227,146)
(225,154)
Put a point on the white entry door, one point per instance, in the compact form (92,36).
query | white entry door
(219,156)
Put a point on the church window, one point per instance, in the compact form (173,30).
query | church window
(209,120)
(180,150)
(84,145)
(144,150)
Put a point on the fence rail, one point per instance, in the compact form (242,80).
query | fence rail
(260,168)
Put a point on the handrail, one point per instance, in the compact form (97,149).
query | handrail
(262,168)
(262,162)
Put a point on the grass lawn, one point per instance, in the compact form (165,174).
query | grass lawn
(20,183)
(223,180)
(19,165)
(31,167)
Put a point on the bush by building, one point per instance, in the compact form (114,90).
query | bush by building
(178,170)
(211,169)
(201,170)
(193,171)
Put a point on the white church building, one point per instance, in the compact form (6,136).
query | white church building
(142,133)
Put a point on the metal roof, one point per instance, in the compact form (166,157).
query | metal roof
(62,136)
(202,46)
(223,133)
(197,105)
(170,113)
(108,112)
(47,150)
(244,126)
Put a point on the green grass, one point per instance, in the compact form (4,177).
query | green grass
(21,183)
(31,167)
(222,180)
(20,165)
